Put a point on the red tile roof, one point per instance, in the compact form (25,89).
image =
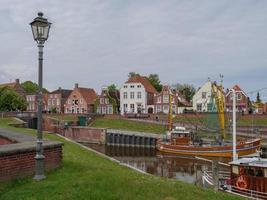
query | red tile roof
(10,85)
(88,94)
(238,89)
(143,80)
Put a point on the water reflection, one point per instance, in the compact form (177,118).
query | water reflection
(149,160)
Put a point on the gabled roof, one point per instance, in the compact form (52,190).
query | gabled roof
(64,93)
(88,94)
(143,80)
(10,85)
(237,89)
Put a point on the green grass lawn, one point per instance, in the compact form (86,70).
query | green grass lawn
(247,120)
(85,175)
(129,125)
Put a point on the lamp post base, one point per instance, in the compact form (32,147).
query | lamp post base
(39,168)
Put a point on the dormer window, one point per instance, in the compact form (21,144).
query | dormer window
(132,86)
(125,86)
(139,86)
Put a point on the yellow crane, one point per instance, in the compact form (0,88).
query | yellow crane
(217,92)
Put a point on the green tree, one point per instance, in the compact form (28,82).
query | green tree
(258,98)
(185,89)
(31,87)
(112,88)
(154,80)
(132,74)
(11,101)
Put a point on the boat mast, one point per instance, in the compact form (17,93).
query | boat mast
(234,126)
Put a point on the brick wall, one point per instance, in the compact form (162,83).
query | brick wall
(21,164)
(4,141)
(86,134)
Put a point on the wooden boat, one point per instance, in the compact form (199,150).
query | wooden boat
(181,142)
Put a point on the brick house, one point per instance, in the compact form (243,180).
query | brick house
(137,96)
(32,102)
(161,101)
(108,102)
(241,100)
(57,99)
(81,100)
(16,86)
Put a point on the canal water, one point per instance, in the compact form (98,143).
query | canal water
(187,169)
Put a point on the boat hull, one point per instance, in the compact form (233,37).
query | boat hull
(218,151)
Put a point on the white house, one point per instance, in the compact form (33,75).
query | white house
(136,96)
(202,99)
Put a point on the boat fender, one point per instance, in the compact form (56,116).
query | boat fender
(241,183)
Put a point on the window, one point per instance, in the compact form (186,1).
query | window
(102,100)
(239,96)
(58,102)
(82,110)
(159,99)
(78,110)
(132,86)
(125,107)
(49,102)
(125,95)
(110,110)
(69,102)
(139,86)
(106,101)
(165,108)
(199,107)
(204,95)
(53,102)
(98,110)
(131,95)
(125,86)
(132,107)
(103,110)
(139,95)
(81,101)
(158,108)
(165,98)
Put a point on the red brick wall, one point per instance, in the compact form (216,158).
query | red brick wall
(4,141)
(23,163)
(94,135)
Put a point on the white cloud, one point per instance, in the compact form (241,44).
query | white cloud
(99,42)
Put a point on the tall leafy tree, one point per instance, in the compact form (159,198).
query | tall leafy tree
(258,98)
(185,89)
(112,88)
(154,80)
(31,87)
(11,101)
(131,74)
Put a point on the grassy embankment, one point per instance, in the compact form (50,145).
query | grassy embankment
(129,125)
(85,175)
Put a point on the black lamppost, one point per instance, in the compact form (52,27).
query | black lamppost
(40,30)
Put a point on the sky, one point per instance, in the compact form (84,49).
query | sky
(96,42)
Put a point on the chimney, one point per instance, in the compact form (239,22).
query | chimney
(76,85)
(59,88)
(17,81)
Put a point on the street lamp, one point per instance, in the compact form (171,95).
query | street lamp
(40,30)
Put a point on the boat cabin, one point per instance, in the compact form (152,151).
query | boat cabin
(249,174)
(181,136)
